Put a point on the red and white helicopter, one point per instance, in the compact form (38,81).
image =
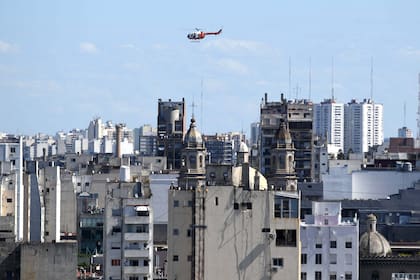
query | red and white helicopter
(199,35)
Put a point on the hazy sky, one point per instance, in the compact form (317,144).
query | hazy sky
(64,62)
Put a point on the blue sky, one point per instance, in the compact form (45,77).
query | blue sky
(64,62)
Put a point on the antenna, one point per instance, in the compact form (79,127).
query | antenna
(192,108)
(332,78)
(201,105)
(418,112)
(290,77)
(310,78)
(371,78)
(405,112)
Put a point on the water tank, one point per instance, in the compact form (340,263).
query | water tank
(125,173)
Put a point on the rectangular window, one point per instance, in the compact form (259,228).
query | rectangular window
(278,262)
(133,278)
(333,244)
(175,258)
(188,233)
(303,276)
(248,205)
(115,245)
(318,258)
(333,258)
(318,245)
(303,258)
(9,200)
(285,207)
(333,276)
(286,237)
(176,231)
(236,206)
(348,276)
(133,262)
(318,275)
(216,201)
(115,262)
(348,244)
(12,149)
(176,203)
(189,258)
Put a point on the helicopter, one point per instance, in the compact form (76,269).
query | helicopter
(199,34)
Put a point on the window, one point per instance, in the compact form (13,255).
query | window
(248,205)
(318,258)
(318,275)
(115,245)
(348,244)
(216,201)
(13,149)
(303,276)
(333,276)
(189,258)
(188,233)
(333,258)
(348,276)
(333,244)
(318,245)
(133,278)
(9,200)
(115,262)
(116,229)
(348,259)
(87,184)
(236,206)
(303,258)
(176,203)
(189,203)
(175,258)
(176,231)
(278,262)
(116,212)
(285,207)
(133,262)
(145,263)
(286,237)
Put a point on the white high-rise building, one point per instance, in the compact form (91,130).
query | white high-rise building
(329,122)
(330,244)
(363,127)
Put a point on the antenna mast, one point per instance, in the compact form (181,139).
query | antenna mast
(332,78)
(418,113)
(201,105)
(290,77)
(310,78)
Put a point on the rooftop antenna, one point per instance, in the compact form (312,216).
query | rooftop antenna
(290,77)
(405,113)
(332,78)
(418,112)
(192,108)
(371,78)
(201,105)
(310,78)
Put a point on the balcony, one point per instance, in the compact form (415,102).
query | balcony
(135,220)
(136,270)
(136,236)
(136,253)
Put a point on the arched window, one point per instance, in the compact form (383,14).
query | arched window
(200,159)
(193,162)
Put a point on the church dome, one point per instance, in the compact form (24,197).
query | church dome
(372,243)
(193,137)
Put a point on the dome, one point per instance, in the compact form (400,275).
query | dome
(193,137)
(372,243)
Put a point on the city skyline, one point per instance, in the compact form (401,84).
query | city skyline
(62,64)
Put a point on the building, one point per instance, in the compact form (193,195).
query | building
(363,127)
(128,229)
(11,188)
(298,115)
(255,134)
(217,228)
(329,122)
(219,149)
(170,131)
(330,244)
(405,132)
(147,141)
